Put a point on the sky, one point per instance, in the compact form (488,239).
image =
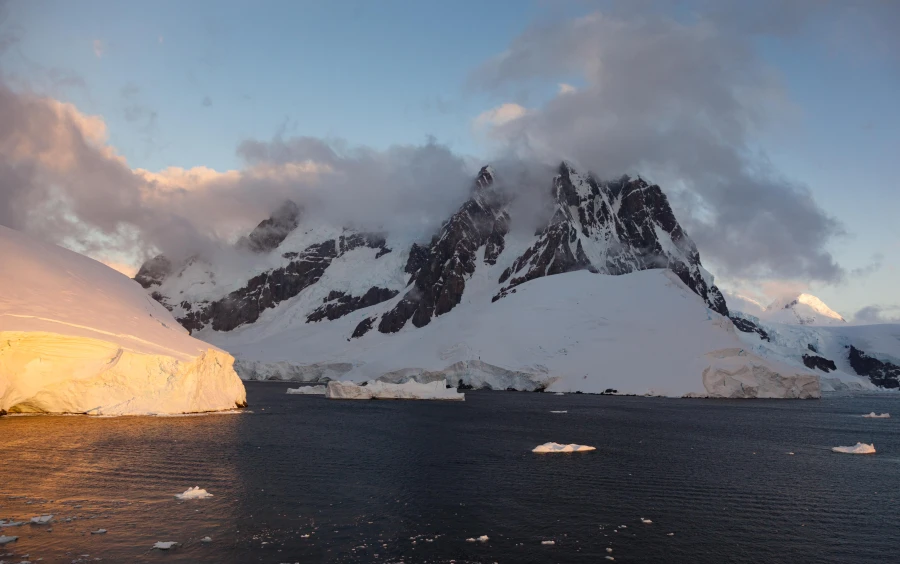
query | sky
(130,128)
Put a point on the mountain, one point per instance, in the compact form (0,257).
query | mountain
(608,293)
(802,329)
(78,337)
(802,309)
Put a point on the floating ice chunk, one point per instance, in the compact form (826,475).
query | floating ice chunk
(548,543)
(99,532)
(858,448)
(874,415)
(608,550)
(560,393)
(559,411)
(556,447)
(436,390)
(206,539)
(12,524)
(670,534)
(308,390)
(482,538)
(194,493)
(41,519)
(5,539)
(646,521)
(164,545)
(791,453)
(609,557)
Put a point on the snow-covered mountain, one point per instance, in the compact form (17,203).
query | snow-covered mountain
(802,309)
(608,293)
(78,337)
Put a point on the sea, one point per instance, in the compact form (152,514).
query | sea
(304,479)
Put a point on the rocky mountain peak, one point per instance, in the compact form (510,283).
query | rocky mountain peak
(272,231)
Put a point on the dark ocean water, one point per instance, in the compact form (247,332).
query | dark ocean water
(374,481)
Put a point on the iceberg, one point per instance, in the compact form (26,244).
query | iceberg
(41,519)
(556,447)
(164,545)
(874,415)
(194,493)
(548,543)
(308,390)
(482,538)
(5,539)
(78,337)
(436,390)
(99,532)
(858,448)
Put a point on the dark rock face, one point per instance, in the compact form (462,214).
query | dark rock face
(748,326)
(438,272)
(882,374)
(271,232)
(364,326)
(815,361)
(154,271)
(628,226)
(339,304)
(270,288)
(812,348)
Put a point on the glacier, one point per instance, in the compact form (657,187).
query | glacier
(436,390)
(78,337)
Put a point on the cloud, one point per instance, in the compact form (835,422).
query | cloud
(160,39)
(878,314)
(99,48)
(500,115)
(869,269)
(206,102)
(679,102)
(566,88)
(61,181)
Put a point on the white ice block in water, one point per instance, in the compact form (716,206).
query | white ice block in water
(482,538)
(5,539)
(874,415)
(308,390)
(559,411)
(556,447)
(194,493)
(41,520)
(858,448)
(436,390)
(164,545)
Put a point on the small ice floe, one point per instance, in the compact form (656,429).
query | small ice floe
(609,557)
(623,526)
(206,539)
(12,523)
(874,415)
(482,538)
(646,521)
(305,536)
(194,493)
(791,453)
(308,390)
(670,534)
(858,448)
(5,539)
(560,393)
(559,411)
(99,532)
(608,550)
(548,543)
(164,545)
(41,519)
(556,447)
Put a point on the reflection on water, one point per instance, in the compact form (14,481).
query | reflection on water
(305,479)
(118,474)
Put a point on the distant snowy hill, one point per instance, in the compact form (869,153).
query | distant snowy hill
(608,293)
(803,309)
(801,328)
(78,337)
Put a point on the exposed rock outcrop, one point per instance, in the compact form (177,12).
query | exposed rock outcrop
(818,362)
(883,374)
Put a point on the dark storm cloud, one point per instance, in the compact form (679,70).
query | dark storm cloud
(679,102)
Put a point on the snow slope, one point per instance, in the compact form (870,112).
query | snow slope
(788,343)
(78,337)
(642,333)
